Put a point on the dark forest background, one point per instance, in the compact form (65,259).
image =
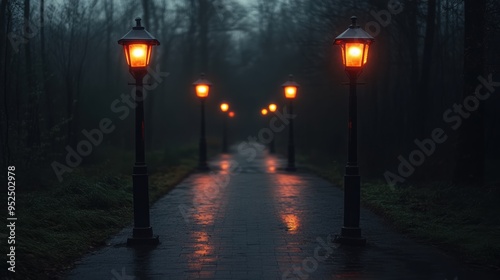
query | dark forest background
(62,69)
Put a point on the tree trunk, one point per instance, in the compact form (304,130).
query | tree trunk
(32,118)
(3,33)
(469,167)
(108,10)
(43,54)
(189,56)
(145,10)
(69,108)
(412,120)
(4,54)
(423,89)
(149,120)
(203,23)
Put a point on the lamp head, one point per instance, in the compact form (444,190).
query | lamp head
(290,88)
(355,43)
(202,86)
(137,45)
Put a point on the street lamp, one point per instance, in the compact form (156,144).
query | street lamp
(224,107)
(202,88)
(354,43)
(231,114)
(290,89)
(272,109)
(263,112)
(138,44)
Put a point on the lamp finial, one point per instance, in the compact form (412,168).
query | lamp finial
(354,20)
(137,22)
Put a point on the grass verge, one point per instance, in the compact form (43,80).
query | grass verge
(60,222)
(461,220)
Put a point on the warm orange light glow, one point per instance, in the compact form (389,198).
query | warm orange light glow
(137,45)
(365,54)
(203,216)
(290,92)
(202,90)
(273,107)
(287,188)
(137,55)
(224,166)
(292,222)
(204,188)
(203,246)
(224,107)
(263,112)
(356,54)
(271,165)
(231,114)
(138,52)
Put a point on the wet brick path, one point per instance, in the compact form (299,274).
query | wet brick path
(249,219)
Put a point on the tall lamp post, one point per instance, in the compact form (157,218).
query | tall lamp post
(264,113)
(138,44)
(231,114)
(354,43)
(202,88)
(224,107)
(290,89)
(272,110)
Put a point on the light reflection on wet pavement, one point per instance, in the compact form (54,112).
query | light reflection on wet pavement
(249,219)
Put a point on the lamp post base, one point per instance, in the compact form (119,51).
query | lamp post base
(350,236)
(151,241)
(291,168)
(203,167)
(143,236)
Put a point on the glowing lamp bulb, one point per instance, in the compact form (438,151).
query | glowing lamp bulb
(202,90)
(138,55)
(138,52)
(354,51)
(290,92)
(356,54)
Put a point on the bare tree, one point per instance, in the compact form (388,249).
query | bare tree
(4,54)
(33,137)
(470,151)
(70,46)
(203,23)
(423,88)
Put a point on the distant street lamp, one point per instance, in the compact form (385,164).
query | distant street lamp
(264,113)
(231,114)
(202,88)
(290,89)
(272,109)
(224,107)
(138,45)
(354,43)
